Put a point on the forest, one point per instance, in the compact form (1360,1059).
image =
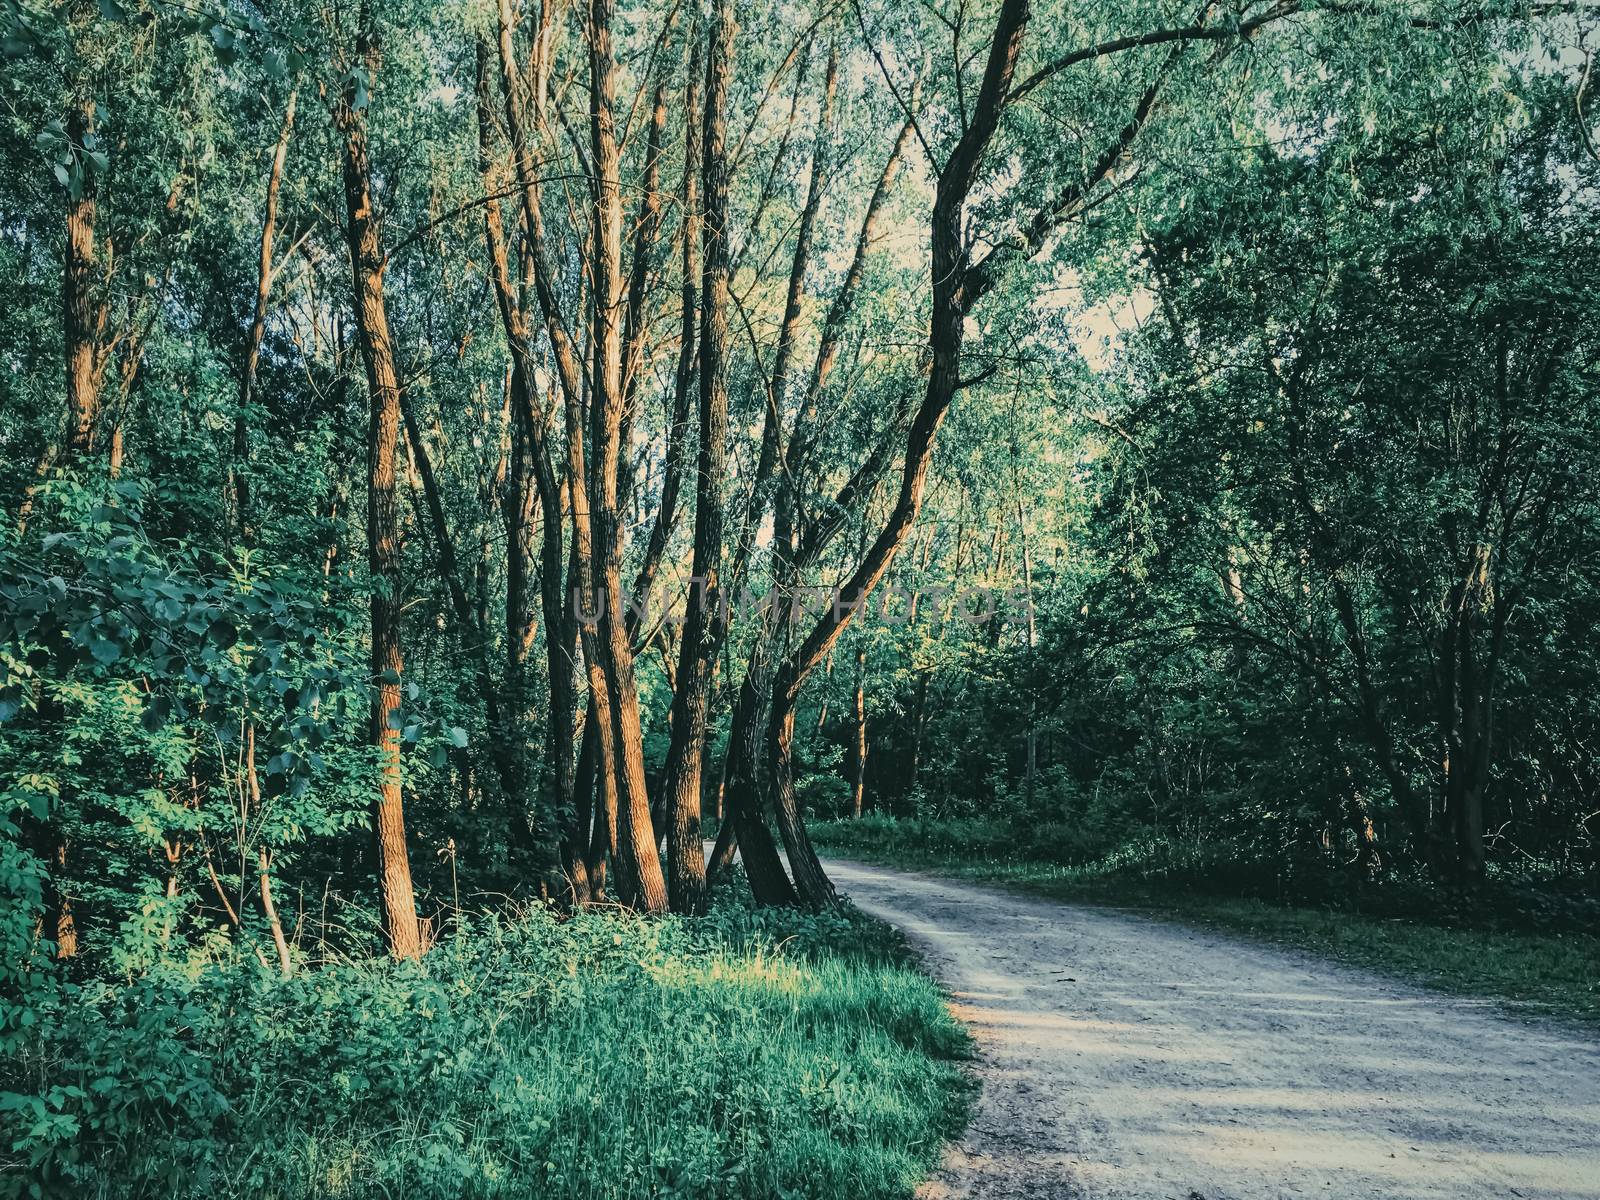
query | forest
(495,494)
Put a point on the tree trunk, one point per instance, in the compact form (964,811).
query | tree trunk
(956,286)
(519,501)
(505,750)
(81,313)
(769,882)
(810,880)
(919,725)
(759,769)
(702,624)
(252,783)
(641,865)
(285,963)
(383,546)
(833,328)
(603,834)
(722,852)
(678,426)
(561,630)
(647,226)
(751,779)
(65,923)
(1468,712)
(81,319)
(858,745)
(239,468)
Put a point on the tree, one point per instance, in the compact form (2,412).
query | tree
(383,551)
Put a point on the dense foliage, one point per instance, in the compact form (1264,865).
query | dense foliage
(455,457)
(735,1055)
(1309,525)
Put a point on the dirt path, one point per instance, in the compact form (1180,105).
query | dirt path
(1122,1057)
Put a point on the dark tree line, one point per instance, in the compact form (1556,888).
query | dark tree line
(665,308)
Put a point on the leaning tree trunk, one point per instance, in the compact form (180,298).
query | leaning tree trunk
(769,882)
(810,880)
(957,283)
(383,545)
(757,760)
(751,782)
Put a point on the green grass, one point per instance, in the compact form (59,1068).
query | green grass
(742,1055)
(1551,973)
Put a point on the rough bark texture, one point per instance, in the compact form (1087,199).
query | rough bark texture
(752,781)
(383,546)
(641,863)
(702,624)
(81,314)
(762,769)
(811,881)
(769,882)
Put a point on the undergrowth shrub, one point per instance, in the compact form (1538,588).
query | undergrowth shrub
(747,1053)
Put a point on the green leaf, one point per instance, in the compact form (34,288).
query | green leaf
(105,650)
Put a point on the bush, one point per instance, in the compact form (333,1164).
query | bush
(748,1053)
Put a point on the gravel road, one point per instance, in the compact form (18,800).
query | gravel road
(1124,1057)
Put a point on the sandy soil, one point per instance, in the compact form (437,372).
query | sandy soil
(1122,1057)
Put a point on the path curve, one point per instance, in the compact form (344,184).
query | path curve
(1125,1057)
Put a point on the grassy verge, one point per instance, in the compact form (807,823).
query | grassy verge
(1552,972)
(744,1054)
